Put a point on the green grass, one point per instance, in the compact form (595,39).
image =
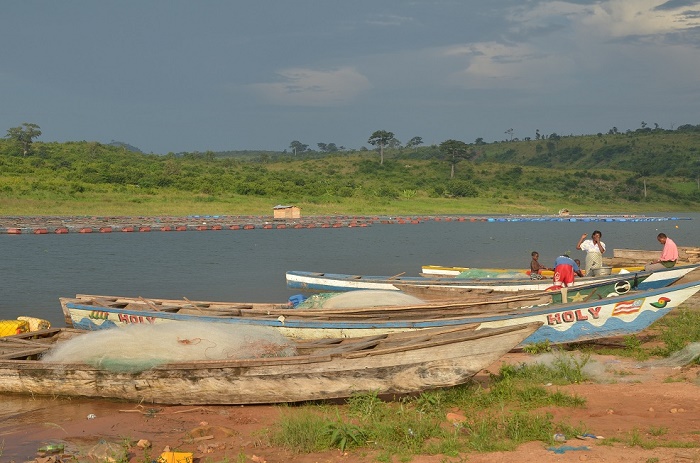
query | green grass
(676,331)
(499,417)
(182,204)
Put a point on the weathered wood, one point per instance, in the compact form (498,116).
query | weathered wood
(576,321)
(448,357)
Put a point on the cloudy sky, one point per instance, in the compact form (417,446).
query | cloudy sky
(181,75)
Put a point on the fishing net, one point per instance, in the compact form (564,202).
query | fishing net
(683,357)
(485,273)
(359,298)
(315,301)
(140,347)
(605,369)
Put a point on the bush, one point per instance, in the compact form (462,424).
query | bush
(462,189)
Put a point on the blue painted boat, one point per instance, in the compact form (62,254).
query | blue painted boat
(562,323)
(318,281)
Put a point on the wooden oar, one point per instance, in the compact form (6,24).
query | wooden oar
(397,275)
(149,304)
(195,305)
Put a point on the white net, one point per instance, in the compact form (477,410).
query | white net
(370,298)
(359,298)
(140,347)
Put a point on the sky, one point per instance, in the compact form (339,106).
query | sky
(181,75)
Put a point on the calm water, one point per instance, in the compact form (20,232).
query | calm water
(249,265)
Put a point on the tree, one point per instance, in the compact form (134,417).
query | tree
(394,143)
(298,147)
(454,151)
(327,147)
(381,138)
(24,135)
(415,141)
(510,132)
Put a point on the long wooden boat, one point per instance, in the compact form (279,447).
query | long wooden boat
(318,281)
(475,272)
(434,297)
(562,323)
(369,303)
(328,369)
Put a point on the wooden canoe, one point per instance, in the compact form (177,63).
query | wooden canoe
(444,301)
(436,297)
(329,369)
(319,281)
(562,323)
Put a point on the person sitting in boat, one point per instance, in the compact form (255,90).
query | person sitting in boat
(669,255)
(564,270)
(536,267)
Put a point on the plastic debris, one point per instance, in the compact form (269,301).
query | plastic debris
(558,437)
(567,448)
(91,416)
(109,452)
(51,448)
(588,436)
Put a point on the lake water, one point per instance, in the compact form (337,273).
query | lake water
(250,265)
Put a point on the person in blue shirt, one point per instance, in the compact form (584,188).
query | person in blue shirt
(564,270)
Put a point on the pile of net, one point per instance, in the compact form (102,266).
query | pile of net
(490,273)
(359,298)
(140,347)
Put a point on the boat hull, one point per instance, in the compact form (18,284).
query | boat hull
(408,364)
(315,281)
(562,323)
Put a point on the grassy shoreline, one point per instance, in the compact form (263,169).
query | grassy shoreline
(184,205)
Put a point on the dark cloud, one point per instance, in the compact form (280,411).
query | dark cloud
(674,4)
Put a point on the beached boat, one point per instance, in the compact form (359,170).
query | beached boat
(562,323)
(316,370)
(424,297)
(318,281)
(445,301)
(475,272)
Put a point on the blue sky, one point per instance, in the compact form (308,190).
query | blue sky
(176,75)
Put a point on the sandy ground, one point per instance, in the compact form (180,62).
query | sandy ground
(649,399)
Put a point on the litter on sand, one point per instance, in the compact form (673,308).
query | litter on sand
(566,448)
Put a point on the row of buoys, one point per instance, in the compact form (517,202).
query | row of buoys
(315,222)
(166,228)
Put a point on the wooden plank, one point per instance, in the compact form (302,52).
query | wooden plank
(21,354)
